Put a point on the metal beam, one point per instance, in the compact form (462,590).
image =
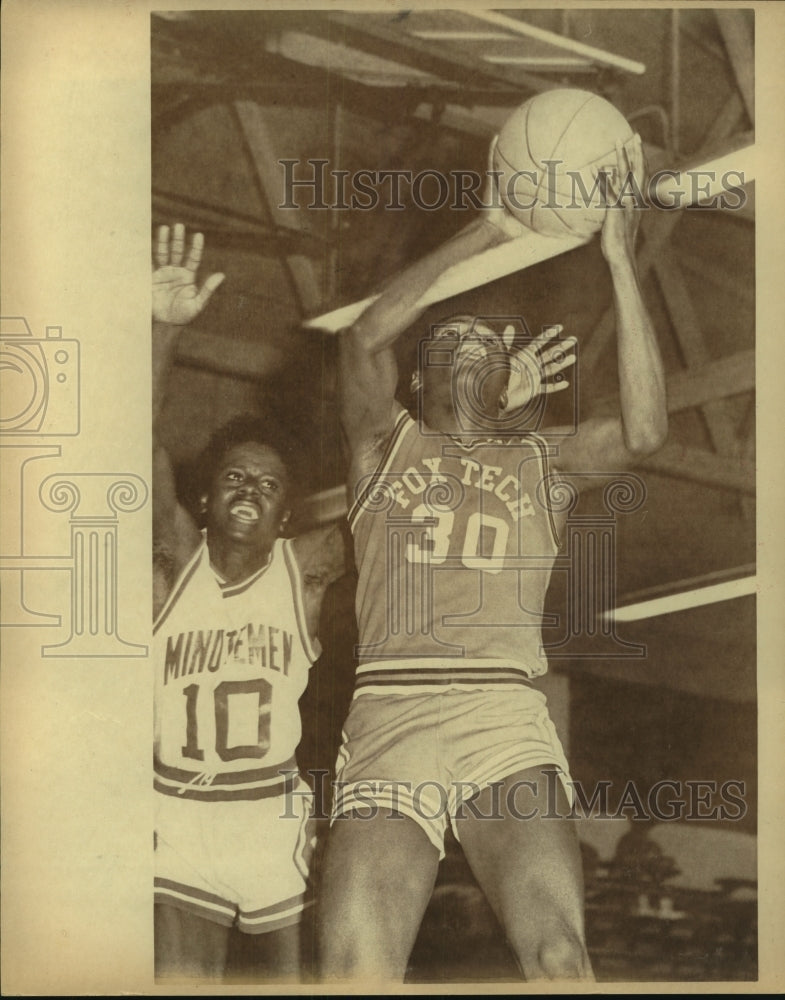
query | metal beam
(737,36)
(545,64)
(728,376)
(704,467)
(675,81)
(719,278)
(228,227)
(673,587)
(699,38)
(687,326)
(723,125)
(695,598)
(339,59)
(246,359)
(559,41)
(369,33)
(659,231)
(459,120)
(515,255)
(506,258)
(260,149)
(450,35)
(309,87)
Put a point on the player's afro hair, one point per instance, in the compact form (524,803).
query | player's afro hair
(242,429)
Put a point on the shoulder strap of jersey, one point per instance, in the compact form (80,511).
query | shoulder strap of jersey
(182,582)
(403,424)
(311,646)
(549,476)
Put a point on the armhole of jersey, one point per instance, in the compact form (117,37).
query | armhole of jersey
(547,473)
(182,581)
(402,424)
(311,646)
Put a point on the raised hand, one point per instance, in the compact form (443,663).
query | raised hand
(494,209)
(176,297)
(624,198)
(537,369)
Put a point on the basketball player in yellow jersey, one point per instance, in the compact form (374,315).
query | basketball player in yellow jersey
(444,519)
(237,608)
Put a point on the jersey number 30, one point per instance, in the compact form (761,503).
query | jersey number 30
(433,548)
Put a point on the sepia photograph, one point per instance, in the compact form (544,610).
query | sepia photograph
(387,237)
(385,446)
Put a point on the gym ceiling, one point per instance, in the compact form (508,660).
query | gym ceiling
(234,92)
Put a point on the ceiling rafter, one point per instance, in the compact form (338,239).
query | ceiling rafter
(705,467)
(244,359)
(737,36)
(718,277)
(720,379)
(395,43)
(248,231)
(657,230)
(703,382)
(591,52)
(259,145)
(689,334)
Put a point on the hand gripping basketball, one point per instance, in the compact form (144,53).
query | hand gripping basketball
(546,156)
(623,191)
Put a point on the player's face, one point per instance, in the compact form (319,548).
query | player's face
(248,496)
(478,368)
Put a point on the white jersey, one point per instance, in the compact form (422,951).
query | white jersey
(231,662)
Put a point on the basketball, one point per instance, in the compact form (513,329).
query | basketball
(546,153)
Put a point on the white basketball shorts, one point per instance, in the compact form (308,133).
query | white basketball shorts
(428,755)
(242,863)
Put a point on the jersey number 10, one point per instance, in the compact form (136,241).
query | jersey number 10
(260,711)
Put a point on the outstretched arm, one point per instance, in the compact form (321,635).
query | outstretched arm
(368,368)
(607,444)
(176,301)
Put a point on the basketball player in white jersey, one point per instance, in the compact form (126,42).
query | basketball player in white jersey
(454,542)
(236,613)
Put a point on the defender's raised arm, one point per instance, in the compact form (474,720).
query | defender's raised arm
(176,300)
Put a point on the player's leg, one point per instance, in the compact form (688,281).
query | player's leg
(270,957)
(267,868)
(187,946)
(377,879)
(282,953)
(191,920)
(527,861)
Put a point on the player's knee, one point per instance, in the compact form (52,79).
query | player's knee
(361,956)
(563,956)
(559,954)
